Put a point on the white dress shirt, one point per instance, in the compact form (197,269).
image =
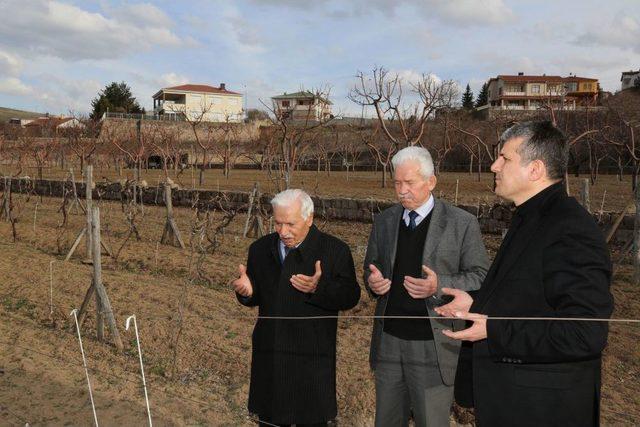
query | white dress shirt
(422,211)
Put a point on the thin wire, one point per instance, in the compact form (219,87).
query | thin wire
(369,317)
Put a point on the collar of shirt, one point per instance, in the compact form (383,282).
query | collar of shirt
(282,247)
(422,211)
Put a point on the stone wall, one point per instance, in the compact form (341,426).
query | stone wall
(493,219)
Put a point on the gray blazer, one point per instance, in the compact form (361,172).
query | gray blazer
(453,249)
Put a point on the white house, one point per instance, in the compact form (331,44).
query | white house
(302,105)
(213,104)
(628,79)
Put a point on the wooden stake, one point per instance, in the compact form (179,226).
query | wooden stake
(250,209)
(88,176)
(82,313)
(616,224)
(76,201)
(6,197)
(584,195)
(455,200)
(171,234)
(35,217)
(102,299)
(604,194)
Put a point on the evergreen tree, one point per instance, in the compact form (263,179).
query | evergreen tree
(115,97)
(483,96)
(467,99)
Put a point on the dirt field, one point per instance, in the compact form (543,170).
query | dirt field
(362,185)
(195,336)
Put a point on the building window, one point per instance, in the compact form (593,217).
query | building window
(571,87)
(301,102)
(535,88)
(285,103)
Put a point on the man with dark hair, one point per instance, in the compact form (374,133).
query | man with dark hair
(552,263)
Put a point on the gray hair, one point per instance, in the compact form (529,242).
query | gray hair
(541,141)
(417,154)
(287,197)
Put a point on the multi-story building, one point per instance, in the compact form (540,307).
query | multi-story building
(628,79)
(583,90)
(211,104)
(520,92)
(302,105)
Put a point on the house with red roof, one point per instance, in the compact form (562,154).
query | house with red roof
(199,102)
(527,92)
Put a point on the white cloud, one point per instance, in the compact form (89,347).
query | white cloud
(472,12)
(468,12)
(245,36)
(62,95)
(13,86)
(10,65)
(622,32)
(69,32)
(171,79)
(144,14)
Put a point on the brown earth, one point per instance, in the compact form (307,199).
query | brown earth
(195,336)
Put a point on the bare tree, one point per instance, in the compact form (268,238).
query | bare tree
(292,133)
(196,119)
(403,117)
(165,142)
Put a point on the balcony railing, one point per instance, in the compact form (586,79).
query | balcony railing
(134,116)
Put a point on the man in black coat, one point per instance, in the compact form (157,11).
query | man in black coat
(553,262)
(298,271)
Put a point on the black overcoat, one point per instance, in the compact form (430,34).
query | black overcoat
(293,365)
(543,373)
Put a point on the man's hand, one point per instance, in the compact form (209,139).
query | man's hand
(378,284)
(422,288)
(307,284)
(461,303)
(242,285)
(477,331)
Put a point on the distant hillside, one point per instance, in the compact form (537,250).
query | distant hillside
(8,113)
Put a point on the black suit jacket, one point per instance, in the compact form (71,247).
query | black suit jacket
(544,373)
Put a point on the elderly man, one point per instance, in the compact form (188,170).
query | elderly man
(297,271)
(415,248)
(553,262)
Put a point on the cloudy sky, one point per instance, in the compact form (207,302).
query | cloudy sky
(56,55)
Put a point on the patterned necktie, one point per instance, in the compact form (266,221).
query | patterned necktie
(412,220)
(286,252)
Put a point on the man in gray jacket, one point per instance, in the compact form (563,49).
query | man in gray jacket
(415,249)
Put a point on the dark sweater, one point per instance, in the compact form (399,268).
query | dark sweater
(408,262)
